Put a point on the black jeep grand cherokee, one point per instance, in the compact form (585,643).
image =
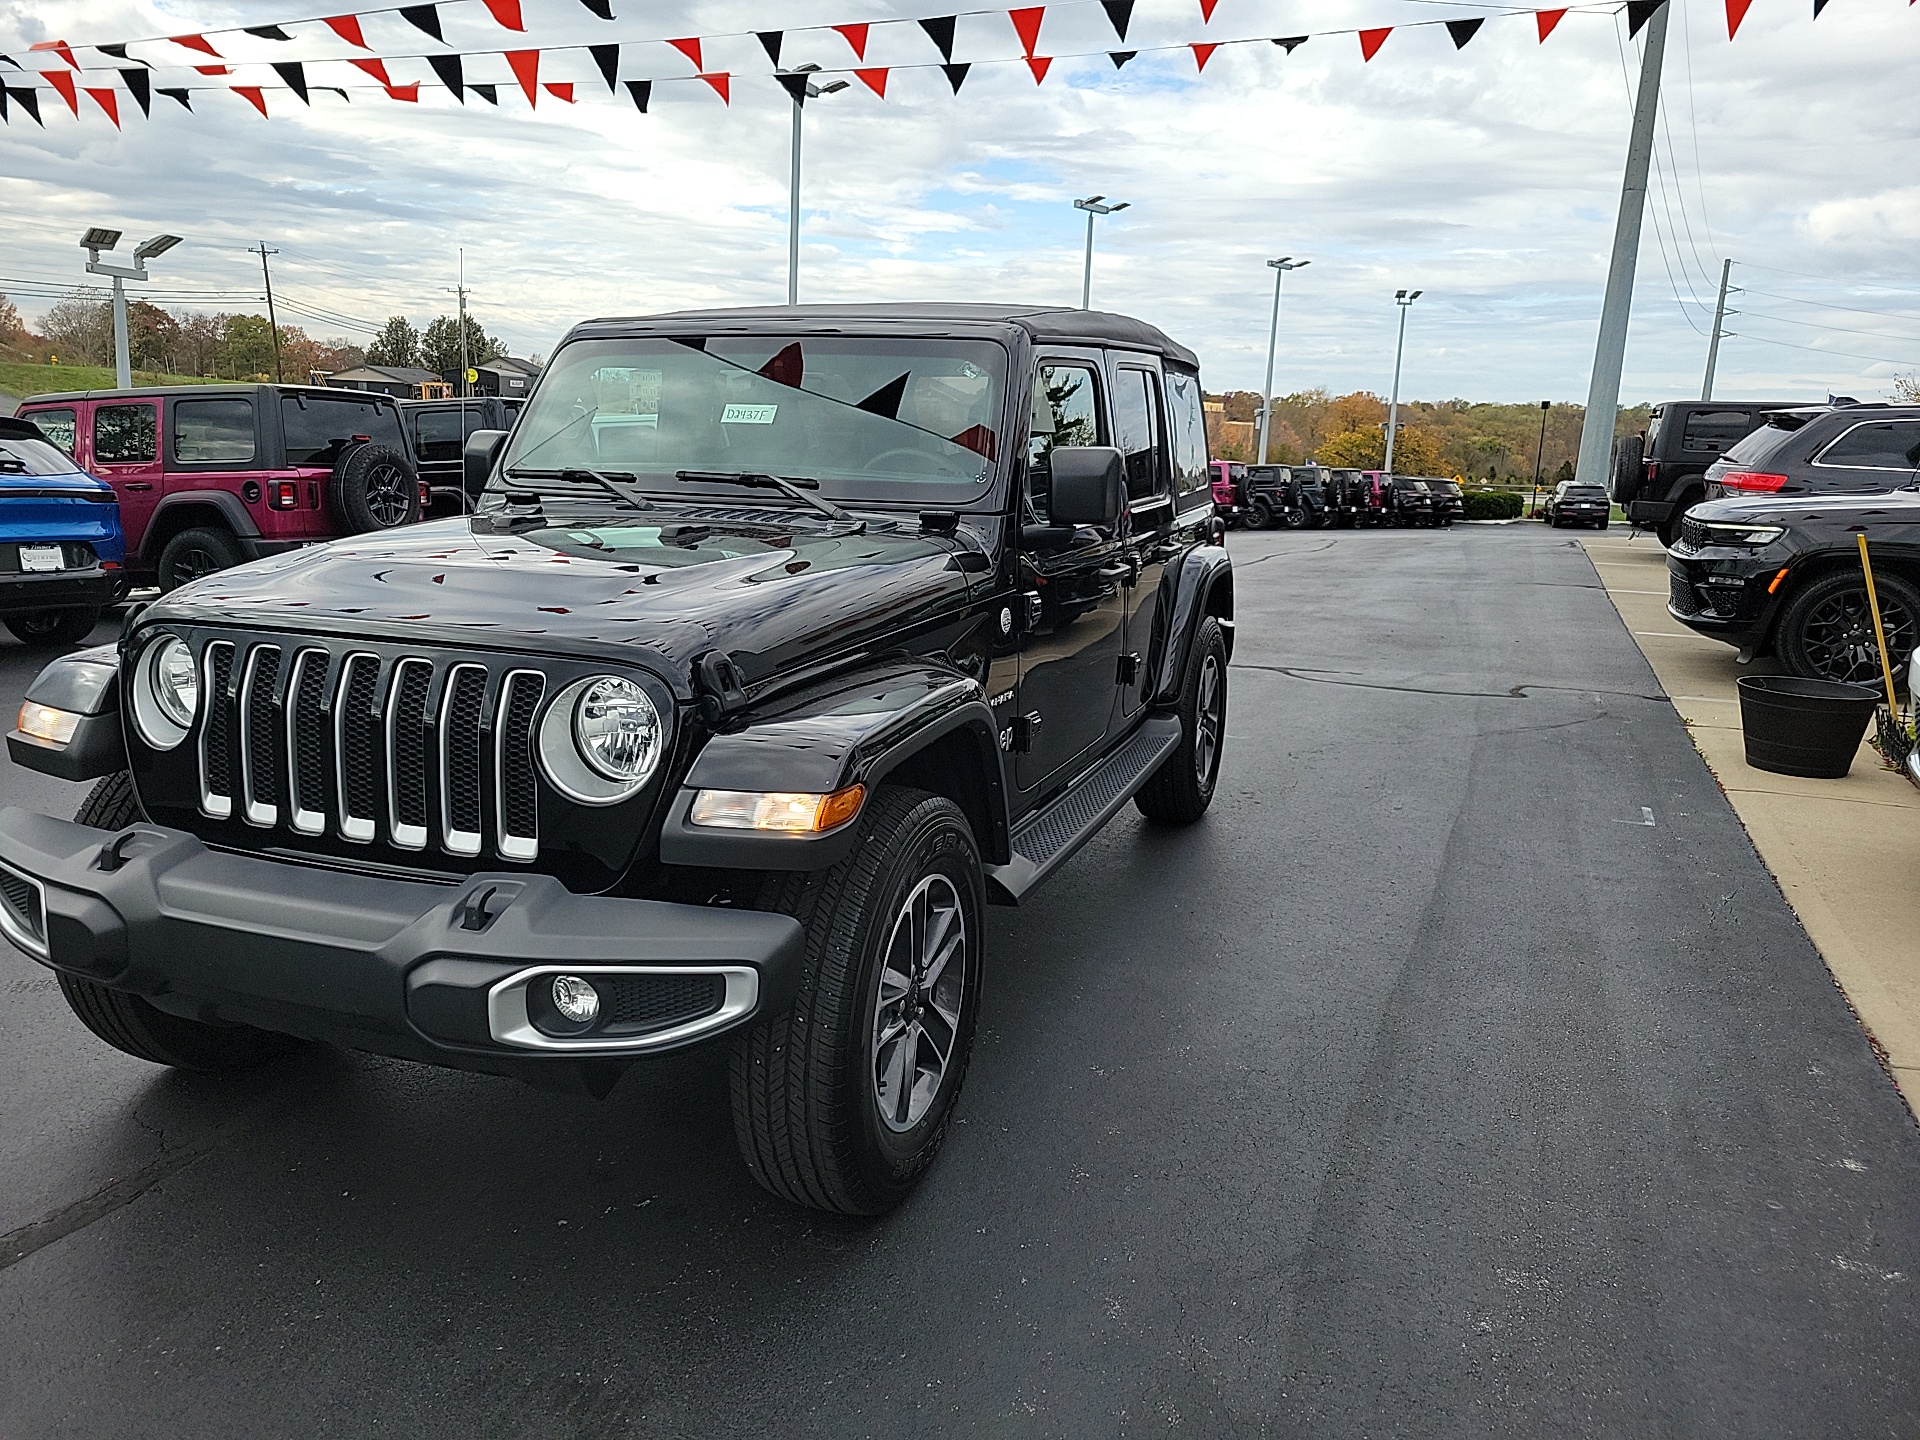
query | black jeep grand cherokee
(781,642)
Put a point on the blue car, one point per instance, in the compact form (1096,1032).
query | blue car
(62,556)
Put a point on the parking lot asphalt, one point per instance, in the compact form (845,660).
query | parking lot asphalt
(1463,1073)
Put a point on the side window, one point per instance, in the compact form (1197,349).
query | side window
(1713,432)
(212,432)
(1881,445)
(125,435)
(436,434)
(1066,411)
(1187,430)
(1136,425)
(57,425)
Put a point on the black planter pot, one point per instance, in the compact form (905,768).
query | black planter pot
(1803,727)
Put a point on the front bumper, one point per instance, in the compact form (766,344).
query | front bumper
(401,967)
(1725,594)
(61,590)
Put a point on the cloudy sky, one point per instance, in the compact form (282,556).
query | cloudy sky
(1488,177)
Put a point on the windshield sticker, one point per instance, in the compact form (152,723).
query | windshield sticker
(748,414)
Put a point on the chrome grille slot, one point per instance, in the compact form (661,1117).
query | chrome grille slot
(461,748)
(515,803)
(307,742)
(407,746)
(356,742)
(216,760)
(259,770)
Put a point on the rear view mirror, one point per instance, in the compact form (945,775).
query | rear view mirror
(1089,486)
(482,449)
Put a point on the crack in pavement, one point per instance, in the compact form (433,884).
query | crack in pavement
(1512,692)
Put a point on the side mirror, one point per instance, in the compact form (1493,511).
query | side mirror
(1089,486)
(482,449)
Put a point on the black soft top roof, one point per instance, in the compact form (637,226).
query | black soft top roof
(193,392)
(1055,324)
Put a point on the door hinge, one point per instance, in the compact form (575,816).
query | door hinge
(1034,609)
(1024,728)
(1129,669)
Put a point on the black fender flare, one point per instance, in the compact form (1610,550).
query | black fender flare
(862,729)
(85,683)
(229,506)
(1203,586)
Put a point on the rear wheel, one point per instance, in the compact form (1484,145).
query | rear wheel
(197,552)
(1294,519)
(54,627)
(1826,631)
(1670,527)
(1259,517)
(1182,788)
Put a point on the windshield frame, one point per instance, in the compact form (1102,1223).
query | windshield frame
(989,496)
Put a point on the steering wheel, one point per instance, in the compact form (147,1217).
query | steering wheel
(930,464)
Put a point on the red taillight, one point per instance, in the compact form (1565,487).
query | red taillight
(283,494)
(1653,471)
(1752,480)
(426,497)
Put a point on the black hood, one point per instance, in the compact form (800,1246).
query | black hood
(1895,507)
(774,596)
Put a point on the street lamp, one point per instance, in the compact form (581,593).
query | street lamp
(802,90)
(1404,299)
(1280,268)
(1093,206)
(1540,451)
(94,241)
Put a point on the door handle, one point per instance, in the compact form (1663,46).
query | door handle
(139,485)
(1114,572)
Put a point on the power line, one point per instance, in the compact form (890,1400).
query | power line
(1828,305)
(1837,329)
(1817,350)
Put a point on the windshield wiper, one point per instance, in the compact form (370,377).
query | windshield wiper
(793,489)
(606,480)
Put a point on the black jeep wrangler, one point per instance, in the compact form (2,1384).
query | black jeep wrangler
(780,643)
(1657,477)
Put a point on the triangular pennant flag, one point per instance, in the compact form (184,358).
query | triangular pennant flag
(885,402)
(4,118)
(607,58)
(560,90)
(722,85)
(294,74)
(1372,40)
(424,18)
(109,101)
(119,52)
(213,70)
(1026,24)
(260,32)
(347,27)
(1039,65)
(1639,12)
(940,30)
(63,82)
(874,80)
(856,36)
(1294,42)
(186,100)
(195,42)
(770,41)
(139,85)
(11,61)
(376,68)
(1464,30)
(29,101)
(1120,57)
(1819,5)
(1119,15)
(58,47)
(642,92)
(956,75)
(1202,54)
(1206,10)
(795,84)
(335,90)
(452,74)
(488,93)
(691,49)
(525,65)
(253,96)
(505,12)
(408,93)
(600,8)
(1736,12)
(1546,20)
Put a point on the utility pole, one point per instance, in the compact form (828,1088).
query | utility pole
(1719,319)
(272,324)
(1610,352)
(460,291)
(1280,268)
(1404,299)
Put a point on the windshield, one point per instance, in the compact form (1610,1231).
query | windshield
(911,419)
(33,457)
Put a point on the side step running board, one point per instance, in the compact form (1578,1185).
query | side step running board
(1046,840)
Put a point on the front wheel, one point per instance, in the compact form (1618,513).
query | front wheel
(1294,519)
(1182,788)
(1259,517)
(1826,631)
(843,1101)
(54,627)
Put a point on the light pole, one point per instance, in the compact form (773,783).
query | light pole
(1404,299)
(1280,268)
(1540,451)
(801,89)
(1093,206)
(94,241)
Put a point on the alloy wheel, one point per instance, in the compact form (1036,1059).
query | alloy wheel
(1206,740)
(193,563)
(1839,639)
(916,1024)
(387,497)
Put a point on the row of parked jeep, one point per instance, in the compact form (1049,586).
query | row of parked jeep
(1305,497)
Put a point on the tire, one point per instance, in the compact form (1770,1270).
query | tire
(1259,517)
(809,1085)
(1295,519)
(1182,788)
(55,627)
(130,1023)
(1670,527)
(203,550)
(1826,629)
(373,488)
(1629,469)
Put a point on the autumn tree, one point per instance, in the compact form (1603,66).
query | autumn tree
(80,330)
(13,330)
(246,347)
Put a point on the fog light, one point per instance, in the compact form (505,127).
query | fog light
(575,999)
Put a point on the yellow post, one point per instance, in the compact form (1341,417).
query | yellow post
(1879,630)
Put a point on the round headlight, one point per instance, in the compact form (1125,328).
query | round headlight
(175,682)
(617,730)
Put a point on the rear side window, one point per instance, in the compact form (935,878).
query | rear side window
(1187,429)
(319,427)
(1137,431)
(1757,448)
(1714,432)
(57,425)
(1877,445)
(125,434)
(212,432)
